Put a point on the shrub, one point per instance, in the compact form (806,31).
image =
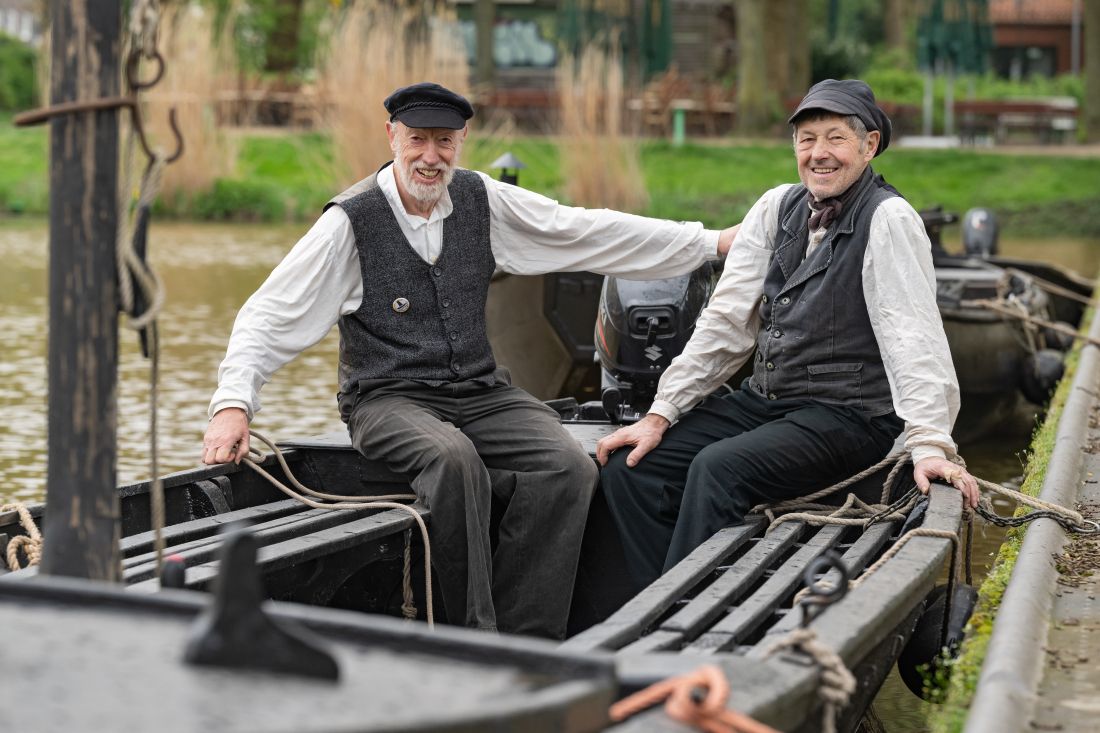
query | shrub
(18,87)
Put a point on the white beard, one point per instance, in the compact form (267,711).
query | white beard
(429,192)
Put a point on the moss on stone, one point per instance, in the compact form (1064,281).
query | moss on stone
(966,668)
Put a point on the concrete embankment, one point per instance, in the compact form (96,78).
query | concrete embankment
(1012,677)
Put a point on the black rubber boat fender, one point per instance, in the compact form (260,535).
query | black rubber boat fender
(923,648)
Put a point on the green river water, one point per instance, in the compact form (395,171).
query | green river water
(209,271)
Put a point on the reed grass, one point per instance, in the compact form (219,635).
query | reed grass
(198,65)
(376,48)
(600,165)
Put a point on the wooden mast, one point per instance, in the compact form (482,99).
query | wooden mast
(82,508)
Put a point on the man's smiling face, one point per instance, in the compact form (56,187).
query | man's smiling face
(425,158)
(831,156)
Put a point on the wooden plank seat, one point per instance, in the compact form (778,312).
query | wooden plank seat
(311,564)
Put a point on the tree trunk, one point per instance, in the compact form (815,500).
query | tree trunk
(1092,69)
(798,40)
(776,46)
(281,49)
(895,25)
(82,509)
(752,67)
(485,13)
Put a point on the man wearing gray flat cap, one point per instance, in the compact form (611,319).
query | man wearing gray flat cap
(829,288)
(402,262)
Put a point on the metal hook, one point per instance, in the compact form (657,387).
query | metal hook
(821,596)
(137,84)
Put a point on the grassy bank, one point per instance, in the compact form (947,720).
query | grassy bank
(289,177)
(950,717)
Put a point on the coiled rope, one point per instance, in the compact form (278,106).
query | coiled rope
(336,501)
(31,543)
(683,703)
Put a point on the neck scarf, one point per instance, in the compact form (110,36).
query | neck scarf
(829,210)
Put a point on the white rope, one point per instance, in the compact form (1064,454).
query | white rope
(837,682)
(31,542)
(351,502)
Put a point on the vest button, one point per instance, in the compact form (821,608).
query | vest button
(771,396)
(785,301)
(759,357)
(777,333)
(455,367)
(446,302)
(765,299)
(454,335)
(771,366)
(437,271)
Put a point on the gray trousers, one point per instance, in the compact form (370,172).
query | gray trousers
(459,445)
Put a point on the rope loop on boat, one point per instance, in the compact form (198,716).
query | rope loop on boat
(31,543)
(336,501)
(837,681)
(686,702)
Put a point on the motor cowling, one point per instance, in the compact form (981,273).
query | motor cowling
(642,326)
(980,233)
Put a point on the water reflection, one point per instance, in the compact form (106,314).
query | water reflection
(209,271)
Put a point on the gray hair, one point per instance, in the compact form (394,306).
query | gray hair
(855,124)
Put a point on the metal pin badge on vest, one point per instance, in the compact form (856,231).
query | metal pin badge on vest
(401,305)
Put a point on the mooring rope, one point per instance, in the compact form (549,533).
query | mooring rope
(682,703)
(354,502)
(837,681)
(31,543)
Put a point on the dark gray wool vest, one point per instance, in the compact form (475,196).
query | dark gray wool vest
(815,337)
(419,321)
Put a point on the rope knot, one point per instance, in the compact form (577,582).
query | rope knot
(31,543)
(837,682)
(686,701)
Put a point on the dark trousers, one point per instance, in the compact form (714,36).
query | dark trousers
(459,445)
(729,454)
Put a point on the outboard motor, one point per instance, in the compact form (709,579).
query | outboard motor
(980,232)
(642,326)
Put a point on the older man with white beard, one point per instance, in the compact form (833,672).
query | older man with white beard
(402,262)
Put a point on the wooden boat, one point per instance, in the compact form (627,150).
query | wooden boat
(725,603)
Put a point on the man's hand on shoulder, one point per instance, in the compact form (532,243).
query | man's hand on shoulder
(933,468)
(644,435)
(725,239)
(226,437)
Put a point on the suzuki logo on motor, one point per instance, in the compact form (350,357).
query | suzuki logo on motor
(653,352)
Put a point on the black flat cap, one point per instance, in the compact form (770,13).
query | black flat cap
(428,105)
(847,97)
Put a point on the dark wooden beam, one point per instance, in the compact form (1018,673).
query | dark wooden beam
(82,507)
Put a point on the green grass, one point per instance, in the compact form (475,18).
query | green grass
(292,176)
(950,717)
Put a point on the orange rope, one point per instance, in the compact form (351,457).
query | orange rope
(709,714)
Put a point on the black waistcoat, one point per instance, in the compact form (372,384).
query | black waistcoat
(419,321)
(815,338)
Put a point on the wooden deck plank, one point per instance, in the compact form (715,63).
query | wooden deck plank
(856,559)
(627,624)
(744,619)
(308,547)
(143,567)
(199,528)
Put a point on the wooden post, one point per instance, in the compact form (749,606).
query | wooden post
(1092,70)
(485,14)
(752,68)
(82,509)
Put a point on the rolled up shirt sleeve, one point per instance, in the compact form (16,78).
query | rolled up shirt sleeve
(316,283)
(725,334)
(533,235)
(899,284)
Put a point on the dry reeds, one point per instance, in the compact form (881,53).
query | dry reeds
(601,165)
(197,68)
(376,48)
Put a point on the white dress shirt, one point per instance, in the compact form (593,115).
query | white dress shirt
(899,285)
(319,280)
